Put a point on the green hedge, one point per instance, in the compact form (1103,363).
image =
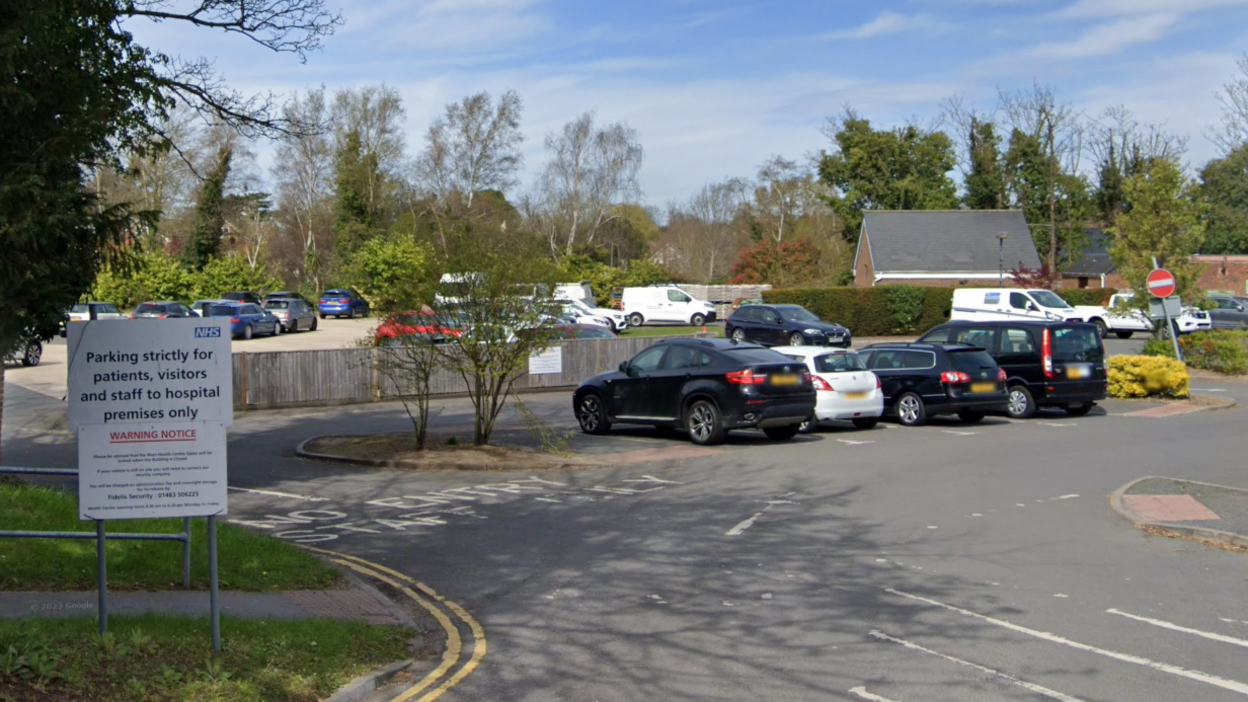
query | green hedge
(1076,296)
(1222,351)
(886,310)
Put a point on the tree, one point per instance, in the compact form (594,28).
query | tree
(985,183)
(1224,191)
(1232,133)
(473,147)
(1054,202)
(901,169)
(1162,222)
(590,171)
(304,169)
(357,216)
(394,273)
(205,238)
(782,264)
(1123,148)
(703,234)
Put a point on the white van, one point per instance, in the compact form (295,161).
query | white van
(578,292)
(987,304)
(665,303)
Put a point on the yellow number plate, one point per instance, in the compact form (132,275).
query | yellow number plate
(855,396)
(983,387)
(784,380)
(1078,372)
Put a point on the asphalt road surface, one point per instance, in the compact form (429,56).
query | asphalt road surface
(949,562)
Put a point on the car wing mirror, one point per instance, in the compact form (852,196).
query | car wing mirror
(624,367)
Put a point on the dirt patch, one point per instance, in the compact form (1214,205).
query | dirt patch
(399,451)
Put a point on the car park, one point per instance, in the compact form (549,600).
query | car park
(844,388)
(246,319)
(780,325)
(242,296)
(285,295)
(923,380)
(579,309)
(293,314)
(437,328)
(665,303)
(1228,312)
(705,386)
(342,302)
(200,307)
(162,310)
(84,311)
(1047,364)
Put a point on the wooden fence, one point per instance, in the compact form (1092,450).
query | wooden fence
(274,379)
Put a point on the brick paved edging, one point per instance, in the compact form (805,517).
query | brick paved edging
(1180,530)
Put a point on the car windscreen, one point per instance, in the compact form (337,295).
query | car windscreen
(1077,343)
(749,356)
(149,307)
(839,363)
(1048,299)
(276,304)
(793,313)
(80,307)
(335,295)
(223,311)
(970,360)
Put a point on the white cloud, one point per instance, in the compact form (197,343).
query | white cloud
(442,25)
(1106,39)
(1087,9)
(889,22)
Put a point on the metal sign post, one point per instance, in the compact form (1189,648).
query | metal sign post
(1161,284)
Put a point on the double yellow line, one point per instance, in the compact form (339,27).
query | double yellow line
(430,600)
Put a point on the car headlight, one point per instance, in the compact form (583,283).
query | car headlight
(813,332)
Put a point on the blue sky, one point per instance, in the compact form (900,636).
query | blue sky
(715,87)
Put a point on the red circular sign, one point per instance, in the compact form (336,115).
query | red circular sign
(1161,283)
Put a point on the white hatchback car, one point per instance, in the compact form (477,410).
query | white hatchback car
(845,389)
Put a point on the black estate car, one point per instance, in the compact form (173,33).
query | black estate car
(924,380)
(1047,364)
(706,386)
(784,325)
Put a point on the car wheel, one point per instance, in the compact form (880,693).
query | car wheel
(247,332)
(592,415)
(1123,334)
(704,423)
(910,410)
(782,433)
(294,326)
(313,327)
(350,313)
(796,339)
(1101,328)
(970,416)
(277,328)
(738,335)
(1021,405)
(322,315)
(697,320)
(866,422)
(1080,409)
(810,426)
(33,353)
(635,319)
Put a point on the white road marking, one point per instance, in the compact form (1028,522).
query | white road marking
(548,499)
(1058,424)
(958,433)
(862,693)
(851,442)
(1175,627)
(933,527)
(651,479)
(1062,596)
(274,493)
(1209,389)
(1198,676)
(738,529)
(1032,687)
(1232,621)
(1066,497)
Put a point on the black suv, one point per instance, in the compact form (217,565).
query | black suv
(1047,364)
(784,325)
(925,380)
(706,386)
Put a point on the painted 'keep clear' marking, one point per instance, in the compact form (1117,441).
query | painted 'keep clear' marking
(1198,676)
(1032,687)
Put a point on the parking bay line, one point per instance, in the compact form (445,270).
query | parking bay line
(1032,687)
(275,493)
(861,692)
(1186,630)
(1198,676)
(852,442)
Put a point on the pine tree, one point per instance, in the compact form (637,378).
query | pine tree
(985,184)
(205,239)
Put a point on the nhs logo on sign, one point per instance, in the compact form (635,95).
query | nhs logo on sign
(207,332)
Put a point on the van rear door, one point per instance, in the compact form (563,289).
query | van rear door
(1078,362)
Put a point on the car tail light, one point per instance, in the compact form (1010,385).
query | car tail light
(235,320)
(1001,374)
(954,377)
(820,384)
(878,385)
(131,316)
(164,316)
(745,377)
(1046,352)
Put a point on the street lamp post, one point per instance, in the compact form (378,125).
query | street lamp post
(1001,258)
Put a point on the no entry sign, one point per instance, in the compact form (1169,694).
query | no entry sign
(1161,283)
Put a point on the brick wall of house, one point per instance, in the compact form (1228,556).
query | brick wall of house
(1223,273)
(864,273)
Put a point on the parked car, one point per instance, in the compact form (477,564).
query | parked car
(781,325)
(342,301)
(984,304)
(1047,364)
(706,386)
(246,319)
(1123,321)
(583,331)
(84,311)
(1229,312)
(285,295)
(923,380)
(437,328)
(162,310)
(614,319)
(665,303)
(844,388)
(200,307)
(293,314)
(29,351)
(242,296)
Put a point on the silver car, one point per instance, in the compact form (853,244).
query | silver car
(293,313)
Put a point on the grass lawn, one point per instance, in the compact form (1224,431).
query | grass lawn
(663,330)
(247,560)
(169,659)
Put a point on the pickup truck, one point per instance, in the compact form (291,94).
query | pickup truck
(1123,321)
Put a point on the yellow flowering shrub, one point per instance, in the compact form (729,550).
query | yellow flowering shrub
(1145,376)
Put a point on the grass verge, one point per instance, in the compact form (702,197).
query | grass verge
(652,330)
(247,560)
(156,658)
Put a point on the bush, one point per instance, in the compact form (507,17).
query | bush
(880,311)
(604,278)
(1221,351)
(1147,376)
(1077,296)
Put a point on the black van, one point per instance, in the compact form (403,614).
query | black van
(1047,364)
